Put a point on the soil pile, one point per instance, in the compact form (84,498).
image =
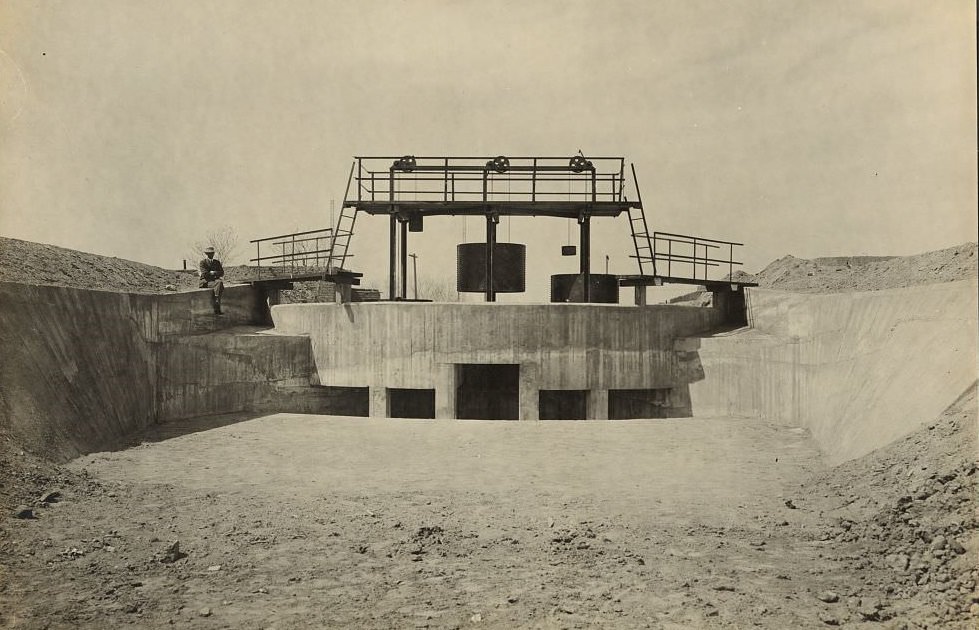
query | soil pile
(37,263)
(867,273)
(906,515)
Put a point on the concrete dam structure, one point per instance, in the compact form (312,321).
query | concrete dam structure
(504,361)
(86,370)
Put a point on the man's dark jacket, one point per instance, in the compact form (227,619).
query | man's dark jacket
(210,264)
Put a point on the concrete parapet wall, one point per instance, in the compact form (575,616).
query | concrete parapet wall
(190,312)
(569,346)
(859,370)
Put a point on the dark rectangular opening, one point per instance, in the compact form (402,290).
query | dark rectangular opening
(343,401)
(627,404)
(563,404)
(488,391)
(411,403)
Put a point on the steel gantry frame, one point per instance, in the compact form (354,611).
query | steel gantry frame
(409,188)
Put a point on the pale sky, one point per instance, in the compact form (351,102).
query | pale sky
(129,128)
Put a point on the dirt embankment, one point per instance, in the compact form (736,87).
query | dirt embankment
(37,263)
(867,273)
(906,517)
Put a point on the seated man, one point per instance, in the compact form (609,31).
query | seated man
(211,274)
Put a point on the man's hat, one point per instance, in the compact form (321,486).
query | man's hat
(208,250)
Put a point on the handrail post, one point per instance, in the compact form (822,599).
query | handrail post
(621,178)
(392,238)
(533,183)
(694,261)
(360,179)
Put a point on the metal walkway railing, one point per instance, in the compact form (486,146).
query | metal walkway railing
(503,178)
(695,255)
(299,253)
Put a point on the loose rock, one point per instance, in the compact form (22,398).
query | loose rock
(172,553)
(52,496)
(24,512)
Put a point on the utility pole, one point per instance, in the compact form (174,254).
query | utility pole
(414,271)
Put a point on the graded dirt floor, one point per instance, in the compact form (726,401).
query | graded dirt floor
(292,521)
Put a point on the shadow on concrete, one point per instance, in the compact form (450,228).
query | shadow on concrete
(177,428)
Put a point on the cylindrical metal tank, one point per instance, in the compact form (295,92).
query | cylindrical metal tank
(509,268)
(568,287)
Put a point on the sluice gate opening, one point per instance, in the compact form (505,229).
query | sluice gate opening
(563,404)
(488,391)
(406,402)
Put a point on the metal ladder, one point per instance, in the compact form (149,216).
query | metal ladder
(342,231)
(641,238)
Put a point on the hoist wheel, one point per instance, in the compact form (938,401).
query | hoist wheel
(500,164)
(578,164)
(406,163)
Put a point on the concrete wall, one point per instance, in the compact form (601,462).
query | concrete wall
(228,371)
(575,346)
(190,312)
(859,370)
(558,346)
(76,371)
(83,370)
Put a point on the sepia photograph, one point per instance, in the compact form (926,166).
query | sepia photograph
(457,314)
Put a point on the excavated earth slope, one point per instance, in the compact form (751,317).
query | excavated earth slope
(40,264)
(868,273)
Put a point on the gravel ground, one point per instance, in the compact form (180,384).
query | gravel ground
(293,521)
